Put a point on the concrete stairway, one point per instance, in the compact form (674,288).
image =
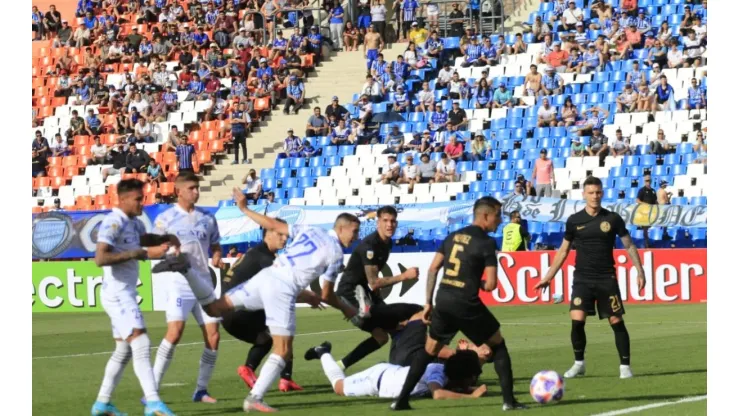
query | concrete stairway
(341,75)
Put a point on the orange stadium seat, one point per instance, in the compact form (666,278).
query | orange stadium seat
(167,189)
(56,171)
(102,200)
(57,181)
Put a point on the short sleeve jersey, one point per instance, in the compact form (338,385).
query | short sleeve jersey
(372,251)
(593,237)
(467,252)
(247,266)
(313,252)
(122,234)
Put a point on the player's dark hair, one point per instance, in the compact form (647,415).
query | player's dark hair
(129,185)
(346,217)
(488,202)
(462,365)
(592,180)
(187,177)
(264,231)
(387,210)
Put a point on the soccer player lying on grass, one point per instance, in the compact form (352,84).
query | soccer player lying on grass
(452,380)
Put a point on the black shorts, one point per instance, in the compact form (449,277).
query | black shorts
(388,316)
(476,322)
(245,325)
(603,294)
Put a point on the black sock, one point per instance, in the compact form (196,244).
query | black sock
(287,372)
(622,339)
(361,351)
(502,365)
(257,353)
(578,338)
(418,366)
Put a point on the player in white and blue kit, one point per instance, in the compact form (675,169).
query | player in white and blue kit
(313,252)
(117,252)
(460,372)
(198,233)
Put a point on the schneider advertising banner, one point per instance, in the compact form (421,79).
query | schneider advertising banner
(74,286)
(673,276)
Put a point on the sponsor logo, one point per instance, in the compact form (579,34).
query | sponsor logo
(577,301)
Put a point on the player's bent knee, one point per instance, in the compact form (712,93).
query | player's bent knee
(380,336)
(174,331)
(496,339)
(576,315)
(615,320)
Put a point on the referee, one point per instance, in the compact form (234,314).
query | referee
(465,255)
(593,231)
(360,284)
(249,326)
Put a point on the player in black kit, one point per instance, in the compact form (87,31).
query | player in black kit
(249,326)
(467,255)
(360,284)
(592,231)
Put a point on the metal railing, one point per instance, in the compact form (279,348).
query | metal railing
(486,23)
(262,29)
(315,11)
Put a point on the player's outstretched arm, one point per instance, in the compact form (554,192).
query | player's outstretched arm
(330,298)
(105,257)
(438,393)
(631,248)
(262,220)
(375,282)
(557,263)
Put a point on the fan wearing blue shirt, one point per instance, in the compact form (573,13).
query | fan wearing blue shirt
(314,42)
(336,26)
(663,95)
(295,92)
(696,99)
(408,8)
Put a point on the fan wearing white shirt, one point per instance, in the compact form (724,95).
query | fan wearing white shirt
(445,170)
(444,76)
(547,115)
(98,152)
(410,172)
(426,99)
(390,171)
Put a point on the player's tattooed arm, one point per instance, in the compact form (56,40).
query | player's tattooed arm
(434,268)
(375,282)
(634,255)
(105,257)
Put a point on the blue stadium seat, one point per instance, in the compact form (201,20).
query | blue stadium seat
(679,200)
(464,166)
(698,200)
(480,166)
(521,164)
(659,170)
(303,172)
(517,154)
(506,145)
(558,162)
(295,192)
(316,162)
(321,171)
(631,161)
(332,160)
(623,183)
(290,183)
(346,150)
(684,148)
(678,169)
(226,203)
(672,159)
(634,171)
(530,144)
(325,141)
(269,183)
(503,165)
(283,173)
(267,173)
(611,194)
(534,154)
(282,163)
(631,193)
(297,162)
(478,186)
(648,160)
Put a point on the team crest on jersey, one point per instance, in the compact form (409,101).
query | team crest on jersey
(51,234)
(370,254)
(605,226)
(576,301)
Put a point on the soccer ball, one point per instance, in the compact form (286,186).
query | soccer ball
(547,386)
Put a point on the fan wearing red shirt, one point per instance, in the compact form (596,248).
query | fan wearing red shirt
(455,150)
(183,80)
(630,6)
(213,84)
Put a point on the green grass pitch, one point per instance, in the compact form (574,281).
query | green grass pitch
(669,347)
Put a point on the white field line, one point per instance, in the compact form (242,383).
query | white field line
(652,406)
(89,354)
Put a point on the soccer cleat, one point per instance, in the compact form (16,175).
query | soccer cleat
(314,353)
(247,375)
(575,371)
(625,371)
(364,301)
(177,264)
(513,406)
(288,385)
(203,397)
(399,405)
(105,409)
(157,409)
(255,404)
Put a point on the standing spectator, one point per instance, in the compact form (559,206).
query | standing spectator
(409,9)
(240,122)
(599,145)
(409,173)
(136,160)
(660,146)
(378,14)
(696,99)
(185,153)
(445,170)
(426,170)
(253,188)
(664,197)
(620,147)
(296,93)
(647,195)
(98,152)
(516,236)
(292,145)
(456,20)
(336,25)
(571,16)
(317,124)
(543,175)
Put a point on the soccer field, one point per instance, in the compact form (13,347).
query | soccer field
(669,347)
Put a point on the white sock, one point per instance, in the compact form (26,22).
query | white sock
(207,364)
(143,367)
(165,352)
(202,290)
(114,370)
(269,373)
(331,369)
(580,363)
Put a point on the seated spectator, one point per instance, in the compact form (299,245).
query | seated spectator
(59,147)
(627,100)
(292,146)
(38,164)
(98,152)
(658,54)
(663,95)
(595,120)
(409,173)
(503,98)
(634,37)
(295,95)
(675,58)
(336,109)
(568,113)
(351,37)
(308,150)
(416,144)
(571,16)
(372,89)
(136,160)
(317,124)
(519,46)
(575,62)
(480,149)
(390,171)
(427,171)
(483,95)
(92,123)
(473,54)
(445,170)
(82,93)
(117,157)
(599,145)
(558,59)
(620,146)
(455,150)
(395,142)
(340,135)
(623,47)
(445,76)
(644,98)
(547,115)
(401,100)
(438,119)
(692,49)
(577,149)
(64,36)
(540,29)
(457,117)
(435,49)
(253,186)
(552,83)
(40,144)
(533,82)
(696,99)
(154,172)
(143,131)
(700,148)
(593,60)
(660,146)
(426,98)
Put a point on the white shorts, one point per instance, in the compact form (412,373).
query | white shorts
(272,290)
(124,313)
(180,305)
(366,383)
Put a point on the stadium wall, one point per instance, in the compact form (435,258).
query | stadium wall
(673,276)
